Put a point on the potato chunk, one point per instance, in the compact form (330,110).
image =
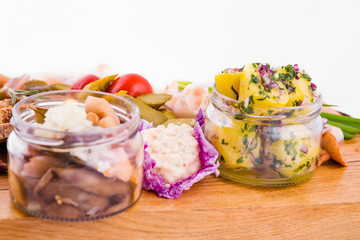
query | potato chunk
(257,93)
(237,141)
(228,82)
(293,151)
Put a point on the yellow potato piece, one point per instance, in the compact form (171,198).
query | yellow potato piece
(252,90)
(302,92)
(236,141)
(228,84)
(287,155)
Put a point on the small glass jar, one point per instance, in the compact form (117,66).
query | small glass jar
(279,147)
(74,176)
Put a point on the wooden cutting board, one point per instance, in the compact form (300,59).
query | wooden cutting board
(325,207)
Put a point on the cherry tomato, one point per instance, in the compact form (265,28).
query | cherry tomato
(134,84)
(82,82)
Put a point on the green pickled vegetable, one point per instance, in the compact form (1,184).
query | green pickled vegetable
(147,113)
(340,118)
(169,114)
(349,126)
(348,135)
(344,127)
(39,114)
(59,86)
(38,85)
(101,85)
(154,100)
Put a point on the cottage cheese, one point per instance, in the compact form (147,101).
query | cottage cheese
(67,117)
(175,151)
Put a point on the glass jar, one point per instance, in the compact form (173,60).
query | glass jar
(279,147)
(74,176)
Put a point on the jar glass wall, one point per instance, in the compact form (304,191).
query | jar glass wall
(278,147)
(73,176)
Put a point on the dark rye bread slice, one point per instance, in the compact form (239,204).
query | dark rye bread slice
(5,115)
(5,130)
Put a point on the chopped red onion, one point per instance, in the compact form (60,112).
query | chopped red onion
(273,84)
(304,149)
(232,70)
(325,120)
(261,67)
(296,68)
(271,71)
(313,86)
(252,158)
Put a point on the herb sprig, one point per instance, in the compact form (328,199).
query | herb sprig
(349,126)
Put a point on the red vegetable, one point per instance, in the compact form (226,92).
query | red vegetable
(82,82)
(134,84)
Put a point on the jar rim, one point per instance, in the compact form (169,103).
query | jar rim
(21,124)
(228,104)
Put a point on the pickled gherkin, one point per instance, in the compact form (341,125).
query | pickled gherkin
(154,100)
(102,84)
(59,86)
(38,85)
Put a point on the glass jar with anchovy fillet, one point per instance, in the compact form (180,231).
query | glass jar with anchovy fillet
(74,175)
(279,146)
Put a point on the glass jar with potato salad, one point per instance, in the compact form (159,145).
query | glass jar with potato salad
(266,124)
(75,155)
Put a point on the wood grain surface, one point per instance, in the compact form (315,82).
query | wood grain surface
(325,207)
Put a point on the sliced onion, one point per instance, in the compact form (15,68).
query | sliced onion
(305,101)
(266,79)
(246,104)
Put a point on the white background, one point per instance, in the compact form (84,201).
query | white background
(187,39)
